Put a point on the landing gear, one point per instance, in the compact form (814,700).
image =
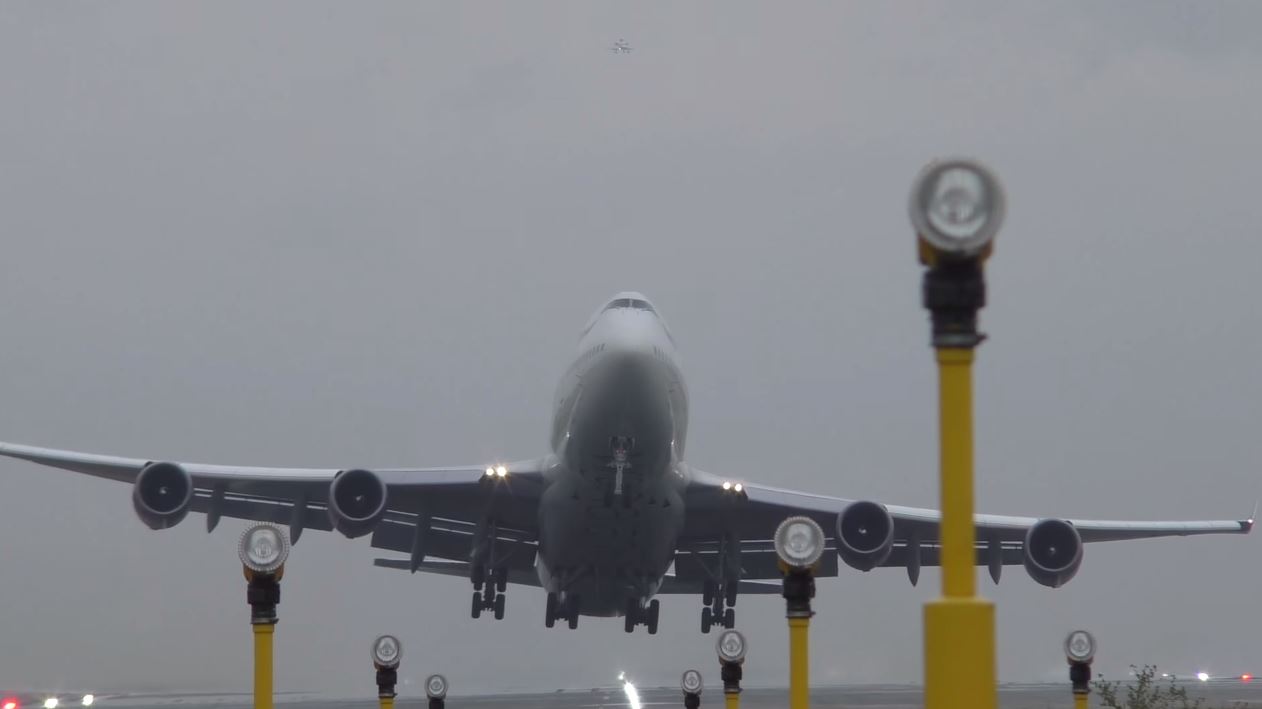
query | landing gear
(641,614)
(488,593)
(558,609)
(718,602)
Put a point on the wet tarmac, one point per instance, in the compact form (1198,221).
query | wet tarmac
(1225,694)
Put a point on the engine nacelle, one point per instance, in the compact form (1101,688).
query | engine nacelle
(1053,552)
(865,535)
(357,502)
(162,495)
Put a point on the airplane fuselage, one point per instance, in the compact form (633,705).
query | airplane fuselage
(611,514)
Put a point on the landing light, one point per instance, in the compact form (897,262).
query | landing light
(88,700)
(727,485)
(490,472)
(387,651)
(1246,677)
(799,542)
(1202,676)
(50,703)
(731,646)
(9,704)
(691,682)
(738,487)
(956,208)
(501,471)
(436,687)
(263,548)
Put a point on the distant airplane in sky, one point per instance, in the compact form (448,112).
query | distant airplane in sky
(610,517)
(621,47)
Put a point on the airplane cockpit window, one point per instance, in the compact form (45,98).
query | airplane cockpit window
(634,303)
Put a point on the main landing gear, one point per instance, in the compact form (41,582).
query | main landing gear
(639,613)
(718,601)
(562,609)
(488,590)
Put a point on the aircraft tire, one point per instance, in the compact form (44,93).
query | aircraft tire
(499,606)
(654,607)
(707,593)
(729,591)
(477,604)
(550,611)
(729,618)
(501,579)
(706,619)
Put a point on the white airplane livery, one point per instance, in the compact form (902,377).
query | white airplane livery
(611,517)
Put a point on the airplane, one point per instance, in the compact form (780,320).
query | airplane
(611,517)
(621,47)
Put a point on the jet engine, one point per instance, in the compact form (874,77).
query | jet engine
(1053,552)
(357,502)
(162,495)
(865,535)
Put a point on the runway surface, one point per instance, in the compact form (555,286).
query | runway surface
(1225,694)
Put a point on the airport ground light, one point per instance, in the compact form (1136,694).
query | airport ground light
(436,691)
(1079,652)
(731,648)
(692,685)
(263,550)
(387,652)
(1147,690)
(799,543)
(956,208)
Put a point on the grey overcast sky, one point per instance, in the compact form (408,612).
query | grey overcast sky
(315,233)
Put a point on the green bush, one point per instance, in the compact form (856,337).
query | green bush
(1148,690)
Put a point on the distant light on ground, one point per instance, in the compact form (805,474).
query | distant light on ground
(633,697)
(50,703)
(1202,676)
(88,700)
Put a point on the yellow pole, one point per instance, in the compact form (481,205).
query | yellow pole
(1080,700)
(732,700)
(263,633)
(799,663)
(387,703)
(959,627)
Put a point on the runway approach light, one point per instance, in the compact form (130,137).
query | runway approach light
(436,687)
(1079,647)
(799,542)
(957,206)
(691,682)
(50,703)
(386,652)
(263,549)
(731,647)
(88,700)
(9,704)
(1202,676)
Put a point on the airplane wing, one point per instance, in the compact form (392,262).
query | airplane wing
(430,512)
(739,526)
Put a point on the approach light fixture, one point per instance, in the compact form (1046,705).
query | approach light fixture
(799,542)
(730,647)
(263,548)
(436,687)
(386,652)
(691,682)
(9,704)
(88,700)
(1079,647)
(957,206)
(51,703)
(1202,676)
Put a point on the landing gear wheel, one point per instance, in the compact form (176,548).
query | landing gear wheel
(501,580)
(706,619)
(488,595)
(707,593)
(477,604)
(571,609)
(550,611)
(478,576)
(499,606)
(630,617)
(729,593)
(729,618)
(654,607)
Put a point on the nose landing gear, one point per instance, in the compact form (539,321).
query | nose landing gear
(561,609)
(488,590)
(718,601)
(641,613)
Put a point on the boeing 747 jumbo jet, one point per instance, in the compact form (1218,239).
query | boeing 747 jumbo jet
(612,517)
